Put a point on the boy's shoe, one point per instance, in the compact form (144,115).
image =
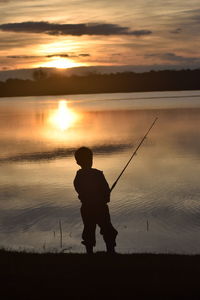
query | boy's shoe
(89,248)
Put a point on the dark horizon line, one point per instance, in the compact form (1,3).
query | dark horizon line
(44,84)
(152,69)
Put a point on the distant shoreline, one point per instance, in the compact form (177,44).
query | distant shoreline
(127,82)
(101,276)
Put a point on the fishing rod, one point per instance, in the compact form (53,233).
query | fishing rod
(134,153)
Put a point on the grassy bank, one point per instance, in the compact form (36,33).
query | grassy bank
(78,276)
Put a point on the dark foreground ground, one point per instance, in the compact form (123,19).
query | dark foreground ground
(78,276)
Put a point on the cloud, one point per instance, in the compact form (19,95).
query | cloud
(58,55)
(22,56)
(65,55)
(176,31)
(186,20)
(84,55)
(191,14)
(72,29)
(173,57)
(68,55)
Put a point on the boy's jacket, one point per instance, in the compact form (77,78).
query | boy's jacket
(91,186)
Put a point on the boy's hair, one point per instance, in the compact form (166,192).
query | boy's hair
(83,155)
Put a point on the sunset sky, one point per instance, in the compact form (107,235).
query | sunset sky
(67,33)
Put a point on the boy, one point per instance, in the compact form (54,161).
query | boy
(94,193)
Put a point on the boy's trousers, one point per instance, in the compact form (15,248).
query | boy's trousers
(93,215)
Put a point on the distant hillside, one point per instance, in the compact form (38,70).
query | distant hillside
(79,71)
(57,84)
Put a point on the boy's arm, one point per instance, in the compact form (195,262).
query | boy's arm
(105,188)
(77,185)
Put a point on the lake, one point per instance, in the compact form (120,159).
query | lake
(156,204)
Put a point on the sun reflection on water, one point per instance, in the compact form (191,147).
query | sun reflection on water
(63,117)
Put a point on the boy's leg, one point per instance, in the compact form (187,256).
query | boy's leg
(89,229)
(109,237)
(89,248)
(107,230)
(88,237)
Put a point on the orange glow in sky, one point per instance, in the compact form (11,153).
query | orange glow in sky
(61,63)
(139,34)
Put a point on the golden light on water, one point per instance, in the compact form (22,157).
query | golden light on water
(63,117)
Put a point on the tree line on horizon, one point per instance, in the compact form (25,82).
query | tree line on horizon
(57,84)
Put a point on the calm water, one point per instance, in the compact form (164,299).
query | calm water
(161,185)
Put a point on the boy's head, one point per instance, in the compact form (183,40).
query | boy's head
(84,157)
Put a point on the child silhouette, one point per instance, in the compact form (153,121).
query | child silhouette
(94,194)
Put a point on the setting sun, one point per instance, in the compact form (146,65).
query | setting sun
(61,63)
